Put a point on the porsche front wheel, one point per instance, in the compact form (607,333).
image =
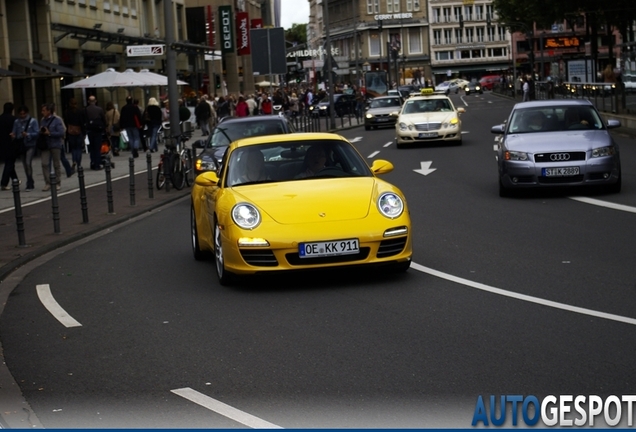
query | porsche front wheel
(199,255)
(225,277)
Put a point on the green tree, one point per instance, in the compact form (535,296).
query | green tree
(297,33)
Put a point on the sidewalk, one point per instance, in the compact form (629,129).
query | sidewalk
(37,210)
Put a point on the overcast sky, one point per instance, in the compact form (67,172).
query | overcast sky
(294,12)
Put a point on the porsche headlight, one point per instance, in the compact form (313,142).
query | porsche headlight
(603,151)
(246,216)
(516,156)
(390,205)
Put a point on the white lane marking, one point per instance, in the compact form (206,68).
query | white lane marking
(356,139)
(465,132)
(375,153)
(44,293)
(606,204)
(388,144)
(224,409)
(523,297)
(425,168)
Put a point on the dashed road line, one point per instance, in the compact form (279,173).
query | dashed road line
(523,297)
(374,154)
(46,297)
(224,409)
(605,204)
(388,144)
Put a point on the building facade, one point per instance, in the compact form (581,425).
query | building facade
(370,35)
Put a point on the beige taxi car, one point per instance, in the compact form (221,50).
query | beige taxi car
(431,116)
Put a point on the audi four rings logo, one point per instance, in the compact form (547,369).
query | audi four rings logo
(556,157)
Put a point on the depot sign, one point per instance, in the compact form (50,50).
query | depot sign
(225,29)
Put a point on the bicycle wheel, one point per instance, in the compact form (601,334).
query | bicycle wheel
(187,165)
(178,177)
(161,178)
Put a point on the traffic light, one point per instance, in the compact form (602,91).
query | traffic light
(217,81)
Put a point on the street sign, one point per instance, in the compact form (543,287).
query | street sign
(145,50)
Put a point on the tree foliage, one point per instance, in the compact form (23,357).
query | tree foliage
(519,15)
(297,33)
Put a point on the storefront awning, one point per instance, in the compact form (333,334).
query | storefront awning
(8,73)
(28,65)
(61,69)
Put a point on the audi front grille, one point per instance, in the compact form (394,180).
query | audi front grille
(559,157)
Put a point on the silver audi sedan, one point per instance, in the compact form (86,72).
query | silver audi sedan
(557,143)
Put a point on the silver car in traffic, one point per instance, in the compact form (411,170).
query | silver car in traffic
(557,143)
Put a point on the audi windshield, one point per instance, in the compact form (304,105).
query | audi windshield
(554,119)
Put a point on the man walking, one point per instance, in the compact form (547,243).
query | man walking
(6,145)
(95,128)
(129,118)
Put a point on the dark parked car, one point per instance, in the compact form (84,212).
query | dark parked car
(231,129)
(344,104)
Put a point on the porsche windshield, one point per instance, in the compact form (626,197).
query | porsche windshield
(294,161)
(224,134)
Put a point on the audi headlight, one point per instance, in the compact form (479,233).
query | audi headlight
(390,205)
(246,216)
(516,156)
(603,151)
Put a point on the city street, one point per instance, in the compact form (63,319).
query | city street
(529,295)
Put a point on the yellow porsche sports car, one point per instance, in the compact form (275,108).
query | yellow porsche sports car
(298,201)
(428,117)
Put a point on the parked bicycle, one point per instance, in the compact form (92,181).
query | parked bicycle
(178,161)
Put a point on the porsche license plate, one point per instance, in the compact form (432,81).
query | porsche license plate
(427,135)
(329,248)
(560,172)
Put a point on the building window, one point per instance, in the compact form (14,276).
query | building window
(437,17)
(497,52)
(457,11)
(468,13)
(437,37)
(373,6)
(447,15)
(416,5)
(477,53)
(458,35)
(396,6)
(479,13)
(502,33)
(491,34)
(469,35)
(443,55)
(464,54)
(448,36)
(392,6)
(415,41)
(409,5)
(480,34)
(374,45)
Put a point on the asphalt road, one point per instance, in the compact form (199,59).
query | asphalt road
(506,296)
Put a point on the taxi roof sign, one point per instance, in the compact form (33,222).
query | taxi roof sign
(427,91)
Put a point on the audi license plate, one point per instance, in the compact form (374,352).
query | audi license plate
(560,172)
(330,248)
(427,135)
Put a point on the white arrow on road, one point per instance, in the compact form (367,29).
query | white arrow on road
(425,168)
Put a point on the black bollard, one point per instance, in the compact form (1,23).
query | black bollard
(149,166)
(109,187)
(55,205)
(19,219)
(131,178)
(167,168)
(83,200)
